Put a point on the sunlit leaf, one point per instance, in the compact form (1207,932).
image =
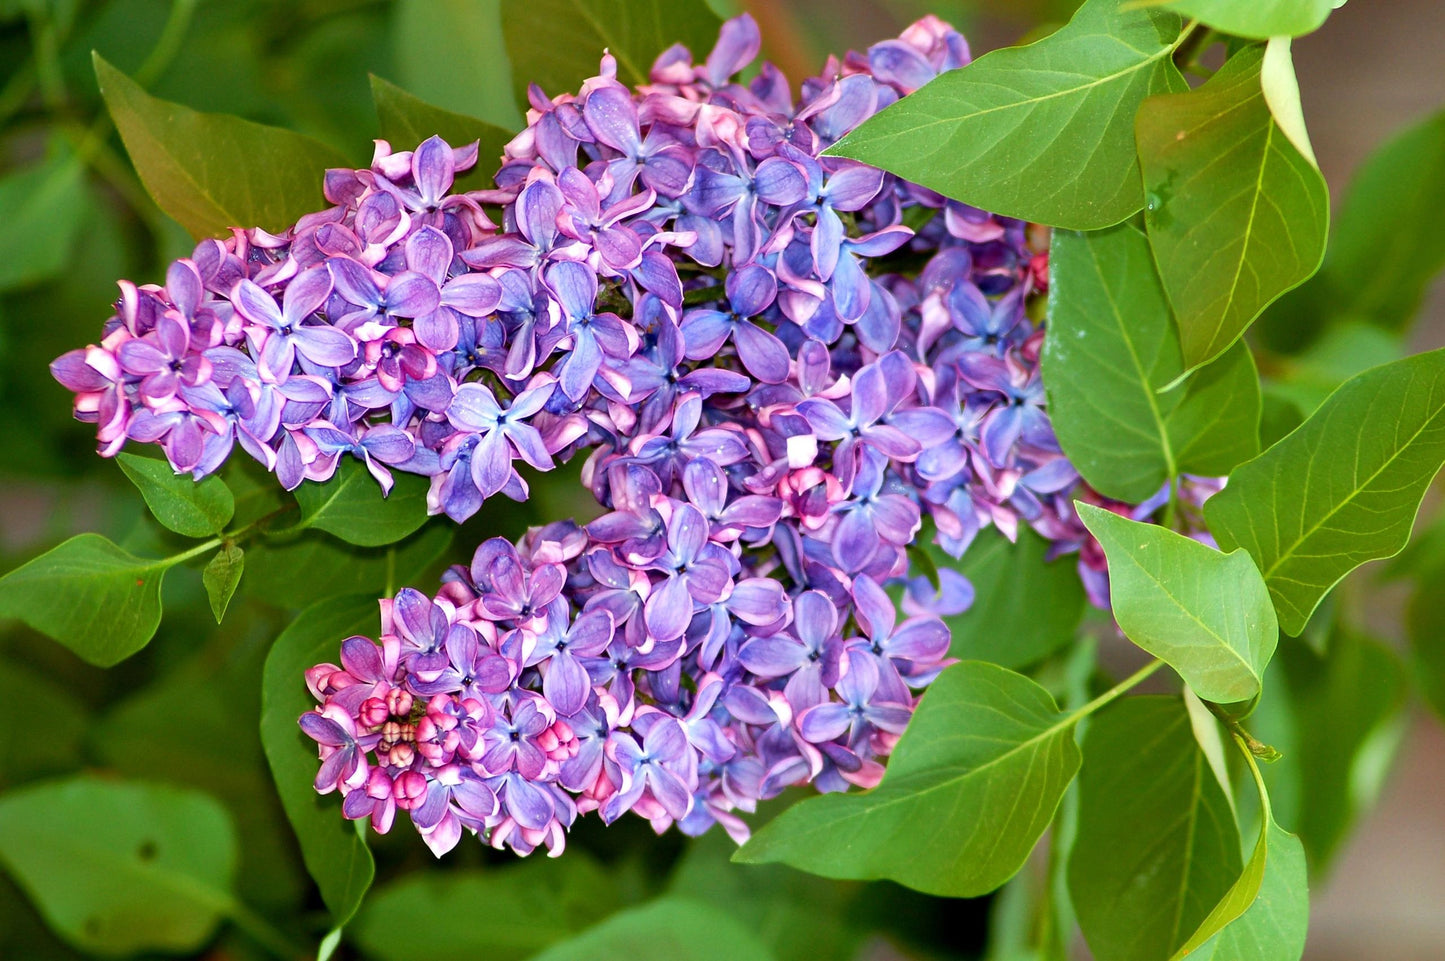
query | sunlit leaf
(1236,215)
(1260,20)
(180,503)
(100,601)
(1340,490)
(1273,927)
(1043,132)
(1206,614)
(117,867)
(972,784)
(1111,349)
(212,172)
(1157,847)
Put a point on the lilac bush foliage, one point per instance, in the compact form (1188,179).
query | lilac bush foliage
(780,364)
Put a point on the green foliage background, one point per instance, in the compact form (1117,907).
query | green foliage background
(174,833)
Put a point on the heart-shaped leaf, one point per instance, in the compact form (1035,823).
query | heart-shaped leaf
(1205,614)
(972,784)
(195,509)
(351,506)
(100,601)
(1043,132)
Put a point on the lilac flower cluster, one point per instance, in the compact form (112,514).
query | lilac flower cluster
(780,364)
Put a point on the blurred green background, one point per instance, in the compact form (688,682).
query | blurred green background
(74,218)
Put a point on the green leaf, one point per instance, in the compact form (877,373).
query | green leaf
(28,693)
(1111,349)
(431,914)
(221,577)
(118,867)
(557,44)
(335,854)
(1250,18)
(1340,490)
(180,503)
(198,724)
(451,52)
(1281,91)
(44,206)
(1236,215)
(407,120)
(1025,606)
(1205,614)
(1277,931)
(668,929)
(212,172)
(972,784)
(1157,847)
(351,506)
(1387,247)
(1274,926)
(1344,350)
(1425,624)
(1338,718)
(100,601)
(799,917)
(1043,132)
(296,573)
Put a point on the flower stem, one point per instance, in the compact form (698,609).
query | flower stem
(1123,687)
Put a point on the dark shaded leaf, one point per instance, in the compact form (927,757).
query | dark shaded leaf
(335,855)
(212,172)
(1157,847)
(557,44)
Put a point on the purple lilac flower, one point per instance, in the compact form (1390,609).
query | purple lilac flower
(776,384)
